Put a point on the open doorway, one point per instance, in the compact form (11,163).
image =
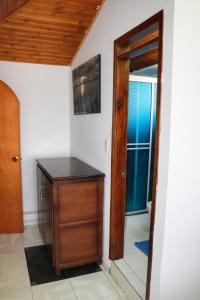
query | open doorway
(136,111)
(139,175)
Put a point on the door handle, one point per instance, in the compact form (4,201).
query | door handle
(123,174)
(16,158)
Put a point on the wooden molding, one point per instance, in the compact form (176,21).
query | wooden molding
(145,41)
(148,59)
(123,48)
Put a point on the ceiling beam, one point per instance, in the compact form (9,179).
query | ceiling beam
(7,7)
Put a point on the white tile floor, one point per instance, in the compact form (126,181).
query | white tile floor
(15,284)
(134,264)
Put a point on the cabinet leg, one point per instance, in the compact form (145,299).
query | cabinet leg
(99,262)
(57,271)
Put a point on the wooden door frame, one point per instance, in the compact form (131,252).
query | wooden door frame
(119,140)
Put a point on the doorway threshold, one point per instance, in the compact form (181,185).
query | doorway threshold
(132,287)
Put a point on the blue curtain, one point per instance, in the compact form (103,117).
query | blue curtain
(138,145)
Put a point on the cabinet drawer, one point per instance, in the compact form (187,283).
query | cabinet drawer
(78,202)
(78,243)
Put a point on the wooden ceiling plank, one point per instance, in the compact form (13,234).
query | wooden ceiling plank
(47,13)
(36,60)
(35,52)
(38,36)
(59,7)
(52,22)
(64,38)
(39,51)
(29,55)
(48,31)
(44,42)
(73,18)
(54,28)
(23,37)
(39,44)
(40,54)
(17,27)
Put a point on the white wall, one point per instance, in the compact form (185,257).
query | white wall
(43,92)
(180,277)
(89,132)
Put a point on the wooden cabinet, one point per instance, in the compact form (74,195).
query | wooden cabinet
(40,201)
(70,211)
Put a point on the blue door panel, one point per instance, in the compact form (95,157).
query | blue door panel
(138,144)
(136,180)
(139,112)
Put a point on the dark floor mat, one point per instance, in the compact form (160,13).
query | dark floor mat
(41,271)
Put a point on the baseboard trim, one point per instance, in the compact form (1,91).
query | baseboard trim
(30,218)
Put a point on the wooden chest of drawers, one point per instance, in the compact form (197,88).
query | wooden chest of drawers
(70,211)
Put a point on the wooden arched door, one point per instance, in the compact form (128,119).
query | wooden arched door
(11,216)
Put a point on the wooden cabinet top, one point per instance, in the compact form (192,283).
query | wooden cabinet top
(68,168)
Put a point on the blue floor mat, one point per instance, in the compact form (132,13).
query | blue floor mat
(143,246)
